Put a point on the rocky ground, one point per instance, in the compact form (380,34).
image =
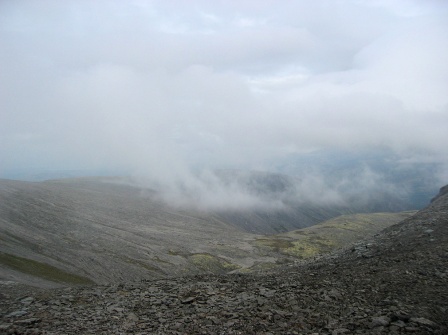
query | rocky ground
(394,283)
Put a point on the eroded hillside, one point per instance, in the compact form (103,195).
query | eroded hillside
(105,230)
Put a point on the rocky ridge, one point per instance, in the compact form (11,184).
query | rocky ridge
(394,283)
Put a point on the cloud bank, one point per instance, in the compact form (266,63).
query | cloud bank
(161,88)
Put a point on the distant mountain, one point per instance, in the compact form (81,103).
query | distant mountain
(44,174)
(412,181)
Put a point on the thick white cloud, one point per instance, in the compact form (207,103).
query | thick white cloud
(160,87)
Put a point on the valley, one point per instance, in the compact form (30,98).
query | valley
(108,230)
(393,281)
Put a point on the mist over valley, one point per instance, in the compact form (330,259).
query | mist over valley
(108,229)
(223,167)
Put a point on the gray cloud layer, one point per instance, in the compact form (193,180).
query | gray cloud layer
(160,87)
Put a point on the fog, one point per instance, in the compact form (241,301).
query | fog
(222,190)
(164,89)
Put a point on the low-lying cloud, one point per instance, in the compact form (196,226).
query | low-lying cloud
(163,88)
(236,190)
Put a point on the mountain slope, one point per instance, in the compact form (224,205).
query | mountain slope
(329,235)
(393,283)
(106,230)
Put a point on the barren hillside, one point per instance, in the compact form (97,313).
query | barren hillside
(393,283)
(76,231)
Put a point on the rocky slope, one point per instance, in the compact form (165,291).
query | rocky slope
(77,231)
(393,283)
(107,232)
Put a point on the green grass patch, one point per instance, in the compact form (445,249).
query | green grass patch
(42,270)
(309,247)
(329,235)
(210,263)
(305,247)
(277,244)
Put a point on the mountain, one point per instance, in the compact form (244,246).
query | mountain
(109,229)
(394,282)
(106,232)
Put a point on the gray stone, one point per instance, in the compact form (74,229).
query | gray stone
(5,326)
(27,301)
(29,321)
(188,300)
(16,314)
(424,322)
(380,321)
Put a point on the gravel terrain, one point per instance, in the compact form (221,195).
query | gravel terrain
(393,283)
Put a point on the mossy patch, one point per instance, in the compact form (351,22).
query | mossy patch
(277,244)
(210,263)
(305,247)
(42,270)
(329,235)
(309,247)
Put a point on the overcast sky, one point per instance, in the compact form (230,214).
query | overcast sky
(159,87)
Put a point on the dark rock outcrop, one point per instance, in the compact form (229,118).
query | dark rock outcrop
(443,190)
